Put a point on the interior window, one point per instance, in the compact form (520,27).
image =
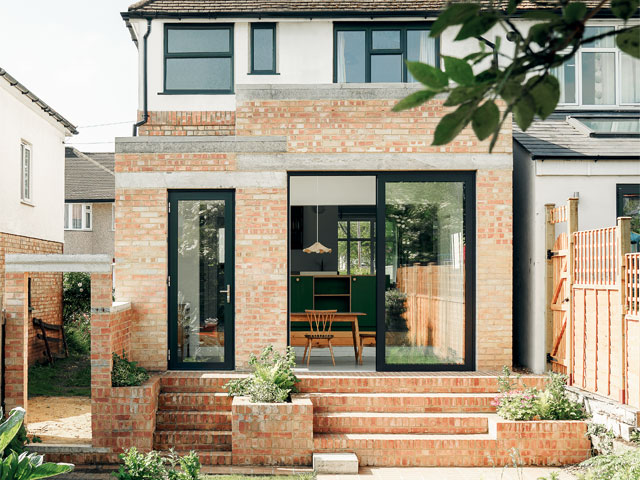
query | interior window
(376,53)
(199,59)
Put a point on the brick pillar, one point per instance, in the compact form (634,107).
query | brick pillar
(16,344)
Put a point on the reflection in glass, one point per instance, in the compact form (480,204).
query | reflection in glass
(386,68)
(630,74)
(420,48)
(351,57)
(182,40)
(385,39)
(198,74)
(424,266)
(566,75)
(200,280)
(598,78)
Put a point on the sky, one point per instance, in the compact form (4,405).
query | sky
(78,57)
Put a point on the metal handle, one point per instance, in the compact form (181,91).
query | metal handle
(228,292)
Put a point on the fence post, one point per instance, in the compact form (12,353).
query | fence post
(623,241)
(550,238)
(572,227)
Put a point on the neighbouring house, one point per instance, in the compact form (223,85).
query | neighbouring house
(588,149)
(32,136)
(89,203)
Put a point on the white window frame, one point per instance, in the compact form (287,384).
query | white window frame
(578,74)
(26,194)
(68,215)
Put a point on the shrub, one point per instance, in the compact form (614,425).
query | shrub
(517,405)
(624,466)
(395,307)
(272,379)
(23,466)
(76,294)
(126,373)
(77,331)
(152,466)
(554,404)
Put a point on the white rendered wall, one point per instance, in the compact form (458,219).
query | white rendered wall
(21,120)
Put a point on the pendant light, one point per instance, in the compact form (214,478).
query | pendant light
(317,247)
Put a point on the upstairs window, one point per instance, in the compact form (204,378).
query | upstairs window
(198,59)
(376,53)
(78,216)
(26,182)
(599,74)
(263,48)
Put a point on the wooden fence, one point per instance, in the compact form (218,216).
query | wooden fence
(593,311)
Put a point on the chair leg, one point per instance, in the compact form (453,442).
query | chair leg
(309,355)
(360,352)
(331,350)
(305,351)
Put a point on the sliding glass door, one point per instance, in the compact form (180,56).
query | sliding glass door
(201,280)
(425,265)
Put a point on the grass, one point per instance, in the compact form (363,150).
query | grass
(414,356)
(302,476)
(67,377)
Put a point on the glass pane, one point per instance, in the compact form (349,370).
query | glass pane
(607,42)
(631,208)
(424,264)
(360,257)
(263,49)
(598,78)
(360,229)
(386,68)
(66,216)
(198,74)
(87,214)
(343,259)
(566,75)
(201,304)
(76,216)
(420,48)
(350,57)
(630,73)
(342,229)
(612,125)
(184,40)
(385,39)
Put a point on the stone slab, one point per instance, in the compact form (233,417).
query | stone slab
(335,463)
(201,144)
(18,262)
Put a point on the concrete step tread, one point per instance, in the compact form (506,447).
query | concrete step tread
(404,437)
(193,432)
(195,394)
(402,395)
(169,411)
(355,413)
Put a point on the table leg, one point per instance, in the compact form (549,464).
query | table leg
(356,337)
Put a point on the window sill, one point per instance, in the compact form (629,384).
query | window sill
(28,203)
(198,92)
(77,230)
(263,73)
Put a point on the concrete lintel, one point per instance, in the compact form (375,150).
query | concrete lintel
(375,161)
(19,262)
(200,144)
(115,308)
(329,91)
(201,180)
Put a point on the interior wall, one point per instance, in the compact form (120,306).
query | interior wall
(328,236)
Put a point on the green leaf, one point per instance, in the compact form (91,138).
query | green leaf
(546,95)
(511,90)
(629,42)
(10,427)
(511,7)
(540,15)
(539,33)
(523,112)
(414,100)
(574,12)
(477,25)
(47,470)
(458,70)
(451,124)
(463,94)
(624,8)
(485,119)
(454,15)
(432,77)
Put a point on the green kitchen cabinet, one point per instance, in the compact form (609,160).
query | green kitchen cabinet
(363,299)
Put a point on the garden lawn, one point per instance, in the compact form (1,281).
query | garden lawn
(68,377)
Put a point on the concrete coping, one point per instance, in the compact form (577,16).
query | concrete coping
(295,400)
(327,91)
(20,262)
(120,307)
(65,448)
(202,143)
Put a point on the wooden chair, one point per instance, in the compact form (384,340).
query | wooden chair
(363,337)
(320,322)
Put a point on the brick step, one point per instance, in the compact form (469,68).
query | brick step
(209,458)
(402,402)
(422,423)
(193,420)
(206,440)
(192,382)
(477,450)
(202,402)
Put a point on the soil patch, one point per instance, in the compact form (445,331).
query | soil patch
(60,419)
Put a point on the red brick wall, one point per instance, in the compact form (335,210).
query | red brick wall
(46,288)
(188,123)
(176,162)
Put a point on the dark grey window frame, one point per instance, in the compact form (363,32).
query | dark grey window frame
(198,26)
(368,28)
(264,26)
(348,240)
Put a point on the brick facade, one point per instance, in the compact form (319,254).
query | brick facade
(188,123)
(333,128)
(46,288)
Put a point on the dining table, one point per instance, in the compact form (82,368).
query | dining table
(340,317)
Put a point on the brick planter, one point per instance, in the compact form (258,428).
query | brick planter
(272,433)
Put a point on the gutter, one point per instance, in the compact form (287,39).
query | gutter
(35,99)
(145,113)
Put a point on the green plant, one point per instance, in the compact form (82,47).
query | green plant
(76,294)
(272,379)
(23,466)
(518,405)
(624,466)
(77,330)
(553,403)
(126,373)
(395,307)
(604,437)
(153,466)
(634,436)
(505,384)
